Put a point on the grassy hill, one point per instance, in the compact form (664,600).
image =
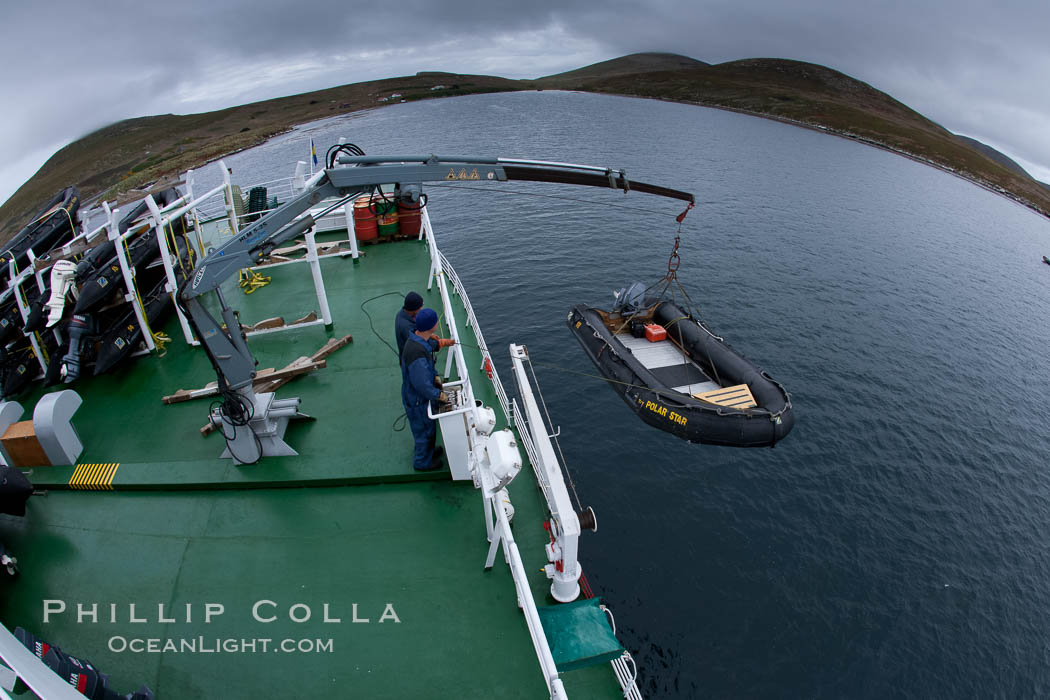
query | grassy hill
(820,97)
(135,152)
(995,155)
(634,64)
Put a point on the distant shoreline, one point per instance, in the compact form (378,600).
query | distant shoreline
(849,137)
(128,157)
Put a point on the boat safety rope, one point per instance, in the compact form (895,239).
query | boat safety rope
(250,280)
(72,227)
(65,210)
(43,348)
(629,385)
(173,248)
(681,344)
(160,340)
(559,368)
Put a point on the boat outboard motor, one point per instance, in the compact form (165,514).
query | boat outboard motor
(8,562)
(631,299)
(80,328)
(63,274)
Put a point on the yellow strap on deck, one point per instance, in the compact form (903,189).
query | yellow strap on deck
(250,280)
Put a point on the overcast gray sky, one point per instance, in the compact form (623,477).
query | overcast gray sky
(977,68)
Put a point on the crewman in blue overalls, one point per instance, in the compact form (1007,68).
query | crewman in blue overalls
(420,385)
(405,321)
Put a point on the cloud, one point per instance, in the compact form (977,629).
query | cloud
(976,68)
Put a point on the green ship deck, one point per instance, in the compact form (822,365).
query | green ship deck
(386,563)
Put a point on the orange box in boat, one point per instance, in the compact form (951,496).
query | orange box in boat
(654,332)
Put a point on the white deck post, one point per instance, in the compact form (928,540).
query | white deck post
(528,606)
(127,272)
(23,310)
(38,274)
(190,180)
(230,209)
(299,179)
(348,212)
(172,286)
(315,270)
(435,265)
(565,585)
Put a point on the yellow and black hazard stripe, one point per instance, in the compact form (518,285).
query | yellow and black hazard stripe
(93,477)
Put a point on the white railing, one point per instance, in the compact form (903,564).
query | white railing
(44,682)
(222,222)
(128,273)
(624,667)
(528,605)
(565,529)
(497,521)
(14,287)
(566,533)
(472,321)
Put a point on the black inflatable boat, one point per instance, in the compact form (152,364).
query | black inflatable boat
(52,224)
(99,274)
(686,381)
(124,336)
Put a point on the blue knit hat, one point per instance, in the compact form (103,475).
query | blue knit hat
(413,301)
(426,320)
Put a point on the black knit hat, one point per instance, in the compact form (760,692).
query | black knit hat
(413,302)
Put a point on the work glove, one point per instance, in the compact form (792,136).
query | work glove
(445,343)
(443,397)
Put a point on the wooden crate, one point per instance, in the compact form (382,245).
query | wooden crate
(22,446)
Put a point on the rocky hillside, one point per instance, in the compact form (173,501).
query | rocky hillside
(135,152)
(818,97)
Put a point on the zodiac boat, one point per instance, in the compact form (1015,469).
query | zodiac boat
(680,377)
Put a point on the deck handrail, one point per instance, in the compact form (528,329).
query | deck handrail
(472,321)
(44,682)
(499,531)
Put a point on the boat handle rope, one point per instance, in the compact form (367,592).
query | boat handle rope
(681,346)
(661,394)
(161,339)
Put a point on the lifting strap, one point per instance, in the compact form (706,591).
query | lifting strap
(250,280)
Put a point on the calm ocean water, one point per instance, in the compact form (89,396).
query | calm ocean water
(895,544)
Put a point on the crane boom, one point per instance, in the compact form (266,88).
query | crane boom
(227,348)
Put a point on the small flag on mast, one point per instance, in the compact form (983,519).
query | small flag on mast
(313,151)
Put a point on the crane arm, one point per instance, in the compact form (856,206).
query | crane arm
(226,347)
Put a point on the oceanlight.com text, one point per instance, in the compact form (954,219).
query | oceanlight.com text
(216,645)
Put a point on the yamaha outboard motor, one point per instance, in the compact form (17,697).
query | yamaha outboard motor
(81,327)
(632,299)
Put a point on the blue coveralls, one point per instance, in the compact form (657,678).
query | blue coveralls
(404,325)
(417,391)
